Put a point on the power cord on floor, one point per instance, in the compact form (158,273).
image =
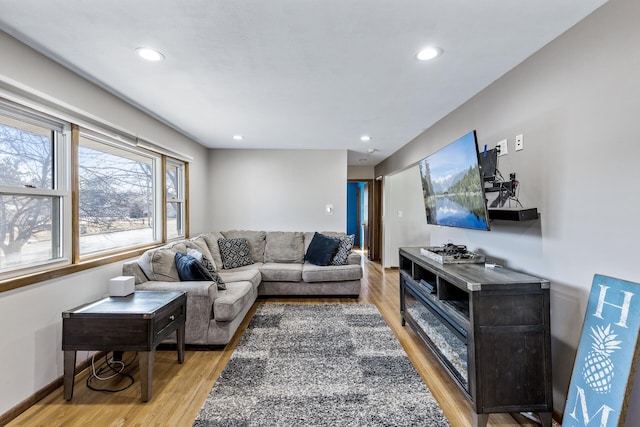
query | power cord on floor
(112,368)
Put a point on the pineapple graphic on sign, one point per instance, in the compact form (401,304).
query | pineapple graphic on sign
(598,367)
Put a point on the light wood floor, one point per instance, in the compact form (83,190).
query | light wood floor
(180,390)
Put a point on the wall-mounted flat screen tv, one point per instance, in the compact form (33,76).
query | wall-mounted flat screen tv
(453,186)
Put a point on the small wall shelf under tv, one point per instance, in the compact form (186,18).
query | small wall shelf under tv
(489,329)
(513,214)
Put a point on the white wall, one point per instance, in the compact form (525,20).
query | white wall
(576,102)
(31,356)
(404,218)
(284,190)
(360,172)
(30,352)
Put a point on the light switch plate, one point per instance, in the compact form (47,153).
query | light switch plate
(503,147)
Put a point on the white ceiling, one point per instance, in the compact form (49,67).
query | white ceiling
(287,74)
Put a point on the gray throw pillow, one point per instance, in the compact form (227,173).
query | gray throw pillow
(344,248)
(235,253)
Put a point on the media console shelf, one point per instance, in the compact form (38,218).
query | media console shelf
(488,327)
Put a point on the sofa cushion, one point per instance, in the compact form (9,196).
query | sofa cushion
(254,266)
(212,243)
(284,246)
(331,273)
(242,274)
(146,262)
(190,269)
(308,237)
(232,301)
(344,248)
(255,239)
(235,253)
(281,272)
(202,259)
(200,244)
(163,264)
(321,249)
(337,234)
(208,265)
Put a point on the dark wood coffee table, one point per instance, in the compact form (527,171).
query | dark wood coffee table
(138,322)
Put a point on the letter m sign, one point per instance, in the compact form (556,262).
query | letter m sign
(602,375)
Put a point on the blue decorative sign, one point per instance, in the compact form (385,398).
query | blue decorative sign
(604,367)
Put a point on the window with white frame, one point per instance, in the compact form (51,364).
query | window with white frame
(34,190)
(61,212)
(175,198)
(118,199)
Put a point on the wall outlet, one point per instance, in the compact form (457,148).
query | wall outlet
(502,147)
(519,142)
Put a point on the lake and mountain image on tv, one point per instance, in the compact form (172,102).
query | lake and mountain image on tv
(452,186)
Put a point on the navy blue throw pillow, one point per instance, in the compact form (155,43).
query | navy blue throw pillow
(190,269)
(321,249)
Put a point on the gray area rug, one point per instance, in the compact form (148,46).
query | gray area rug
(319,365)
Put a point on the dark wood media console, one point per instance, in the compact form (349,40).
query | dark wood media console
(488,327)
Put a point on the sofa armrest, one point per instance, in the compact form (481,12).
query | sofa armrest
(354,258)
(200,298)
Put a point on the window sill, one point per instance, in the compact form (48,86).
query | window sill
(41,276)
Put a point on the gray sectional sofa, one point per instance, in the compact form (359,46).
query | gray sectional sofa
(274,266)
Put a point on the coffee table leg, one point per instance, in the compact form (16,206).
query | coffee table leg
(146,373)
(180,342)
(69,373)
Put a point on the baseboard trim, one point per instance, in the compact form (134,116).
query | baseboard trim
(14,412)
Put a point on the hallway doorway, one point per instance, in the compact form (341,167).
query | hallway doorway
(363,217)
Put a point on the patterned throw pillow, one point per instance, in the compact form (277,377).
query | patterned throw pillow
(208,265)
(235,253)
(344,248)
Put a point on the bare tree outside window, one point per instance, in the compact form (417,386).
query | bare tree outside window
(118,193)
(175,176)
(116,197)
(26,174)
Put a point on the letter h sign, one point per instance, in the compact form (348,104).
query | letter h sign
(605,363)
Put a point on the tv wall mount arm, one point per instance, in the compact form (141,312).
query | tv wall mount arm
(506,191)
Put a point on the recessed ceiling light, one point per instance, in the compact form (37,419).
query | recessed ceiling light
(365,138)
(149,54)
(429,53)
(238,137)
